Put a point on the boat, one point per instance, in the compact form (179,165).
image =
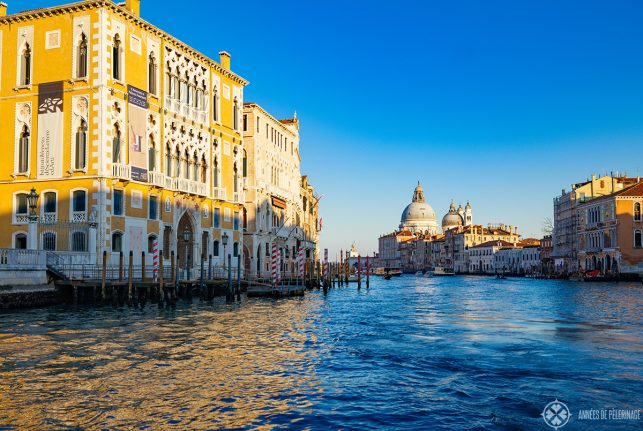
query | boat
(441,271)
(419,274)
(387,276)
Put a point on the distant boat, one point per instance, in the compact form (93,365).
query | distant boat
(419,273)
(387,276)
(441,271)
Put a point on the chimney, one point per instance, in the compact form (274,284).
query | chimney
(224,59)
(3,9)
(133,6)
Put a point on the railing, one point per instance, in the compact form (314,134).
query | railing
(202,189)
(237,197)
(21,218)
(169,183)
(28,259)
(156,178)
(219,193)
(48,218)
(78,216)
(119,170)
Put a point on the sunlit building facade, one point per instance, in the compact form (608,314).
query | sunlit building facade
(128,135)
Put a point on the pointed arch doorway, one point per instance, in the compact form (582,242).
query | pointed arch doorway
(185,242)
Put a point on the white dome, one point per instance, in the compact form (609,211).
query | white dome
(418,216)
(452,219)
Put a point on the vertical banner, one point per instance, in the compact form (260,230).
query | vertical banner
(50,130)
(137,103)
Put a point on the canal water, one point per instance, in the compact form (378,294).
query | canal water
(413,353)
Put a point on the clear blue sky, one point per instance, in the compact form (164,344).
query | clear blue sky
(503,103)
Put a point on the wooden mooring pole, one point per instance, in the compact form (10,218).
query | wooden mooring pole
(161,275)
(104,277)
(238,276)
(173,273)
(130,277)
(359,272)
(368,272)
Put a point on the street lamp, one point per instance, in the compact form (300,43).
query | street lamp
(32,200)
(224,240)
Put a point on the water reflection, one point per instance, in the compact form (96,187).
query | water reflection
(412,353)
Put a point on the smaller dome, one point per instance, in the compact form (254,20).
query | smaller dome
(452,219)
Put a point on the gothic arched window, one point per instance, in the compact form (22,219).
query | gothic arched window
(152,68)
(80,149)
(116,58)
(25,63)
(81,67)
(23,150)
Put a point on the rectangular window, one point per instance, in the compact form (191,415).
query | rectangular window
(217,217)
(236,220)
(226,214)
(118,202)
(245,122)
(153,207)
(258,125)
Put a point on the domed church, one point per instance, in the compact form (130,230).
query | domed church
(418,217)
(456,218)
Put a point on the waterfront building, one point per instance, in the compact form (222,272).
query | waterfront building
(280,204)
(129,136)
(523,258)
(610,232)
(564,236)
(389,248)
(458,239)
(546,249)
(482,256)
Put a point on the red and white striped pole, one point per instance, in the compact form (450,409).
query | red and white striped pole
(325,264)
(275,262)
(155,259)
(301,262)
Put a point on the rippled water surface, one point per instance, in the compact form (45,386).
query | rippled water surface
(454,353)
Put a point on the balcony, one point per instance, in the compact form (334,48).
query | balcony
(219,193)
(121,171)
(238,197)
(156,179)
(78,216)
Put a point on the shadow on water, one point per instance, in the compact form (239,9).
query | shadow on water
(409,353)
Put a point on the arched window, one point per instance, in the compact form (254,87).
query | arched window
(177,85)
(20,241)
(49,241)
(234,178)
(151,154)
(80,161)
(637,211)
(117,242)
(215,248)
(116,58)
(177,166)
(215,104)
(116,145)
(168,160)
(186,165)
(25,64)
(235,115)
(22,207)
(638,241)
(81,54)
(49,206)
(195,168)
(152,71)
(150,243)
(79,201)
(23,150)
(78,241)
(245,218)
(204,170)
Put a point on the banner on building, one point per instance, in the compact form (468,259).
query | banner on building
(50,130)
(137,103)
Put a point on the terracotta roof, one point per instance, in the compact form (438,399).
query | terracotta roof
(635,190)
(288,121)
(494,243)
(529,242)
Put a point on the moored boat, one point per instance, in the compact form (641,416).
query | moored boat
(441,271)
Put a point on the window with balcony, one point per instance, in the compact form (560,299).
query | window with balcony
(49,206)
(215,173)
(235,115)
(23,150)
(204,170)
(152,73)
(80,148)
(81,57)
(79,201)
(195,168)
(21,208)
(215,104)
(116,145)
(168,161)
(177,164)
(25,65)
(151,154)
(117,208)
(117,242)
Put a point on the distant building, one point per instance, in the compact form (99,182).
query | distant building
(610,232)
(389,248)
(564,236)
(418,217)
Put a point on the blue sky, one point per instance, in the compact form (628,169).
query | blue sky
(502,103)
